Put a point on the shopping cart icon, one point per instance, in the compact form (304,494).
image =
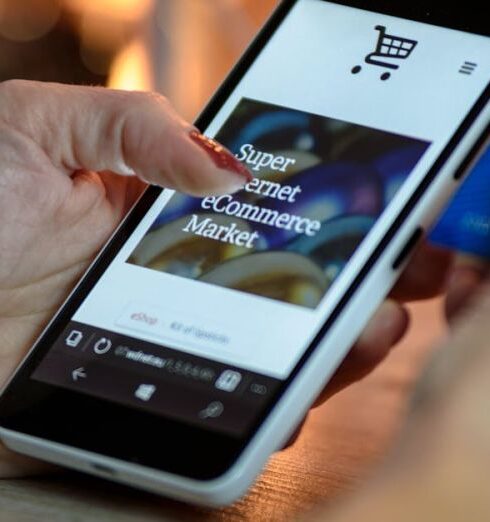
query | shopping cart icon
(389,50)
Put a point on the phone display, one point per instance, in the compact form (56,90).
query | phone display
(208,306)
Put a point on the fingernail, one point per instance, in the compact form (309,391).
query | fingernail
(221,157)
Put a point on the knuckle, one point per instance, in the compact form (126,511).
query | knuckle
(138,106)
(150,100)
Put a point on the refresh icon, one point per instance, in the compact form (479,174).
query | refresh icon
(102,346)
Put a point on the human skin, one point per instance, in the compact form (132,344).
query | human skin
(68,154)
(438,470)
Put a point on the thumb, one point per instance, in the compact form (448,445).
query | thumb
(98,129)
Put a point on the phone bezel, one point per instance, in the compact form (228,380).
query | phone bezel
(96,425)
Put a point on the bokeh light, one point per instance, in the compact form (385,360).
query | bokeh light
(131,69)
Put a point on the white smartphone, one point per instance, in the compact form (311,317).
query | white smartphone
(206,328)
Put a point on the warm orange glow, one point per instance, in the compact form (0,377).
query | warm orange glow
(127,10)
(131,69)
(106,27)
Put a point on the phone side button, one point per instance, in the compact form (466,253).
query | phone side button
(407,248)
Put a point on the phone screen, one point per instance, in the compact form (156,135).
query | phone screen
(211,302)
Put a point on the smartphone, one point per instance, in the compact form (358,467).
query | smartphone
(205,329)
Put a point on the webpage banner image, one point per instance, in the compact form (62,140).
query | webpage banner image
(320,184)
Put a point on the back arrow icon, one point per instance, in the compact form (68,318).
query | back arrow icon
(78,373)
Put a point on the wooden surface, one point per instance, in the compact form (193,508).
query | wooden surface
(340,445)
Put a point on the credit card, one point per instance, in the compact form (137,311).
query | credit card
(465,225)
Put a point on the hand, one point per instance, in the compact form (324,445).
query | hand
(64,186)
(439,471)
(426,276)
(61,195)
(62,149)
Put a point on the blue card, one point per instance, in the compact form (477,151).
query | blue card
(465,226)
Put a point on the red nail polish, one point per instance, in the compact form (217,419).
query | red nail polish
(222,158)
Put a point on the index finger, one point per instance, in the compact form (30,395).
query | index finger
(97,129)
(426,275)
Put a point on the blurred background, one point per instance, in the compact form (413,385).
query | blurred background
(182,48)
